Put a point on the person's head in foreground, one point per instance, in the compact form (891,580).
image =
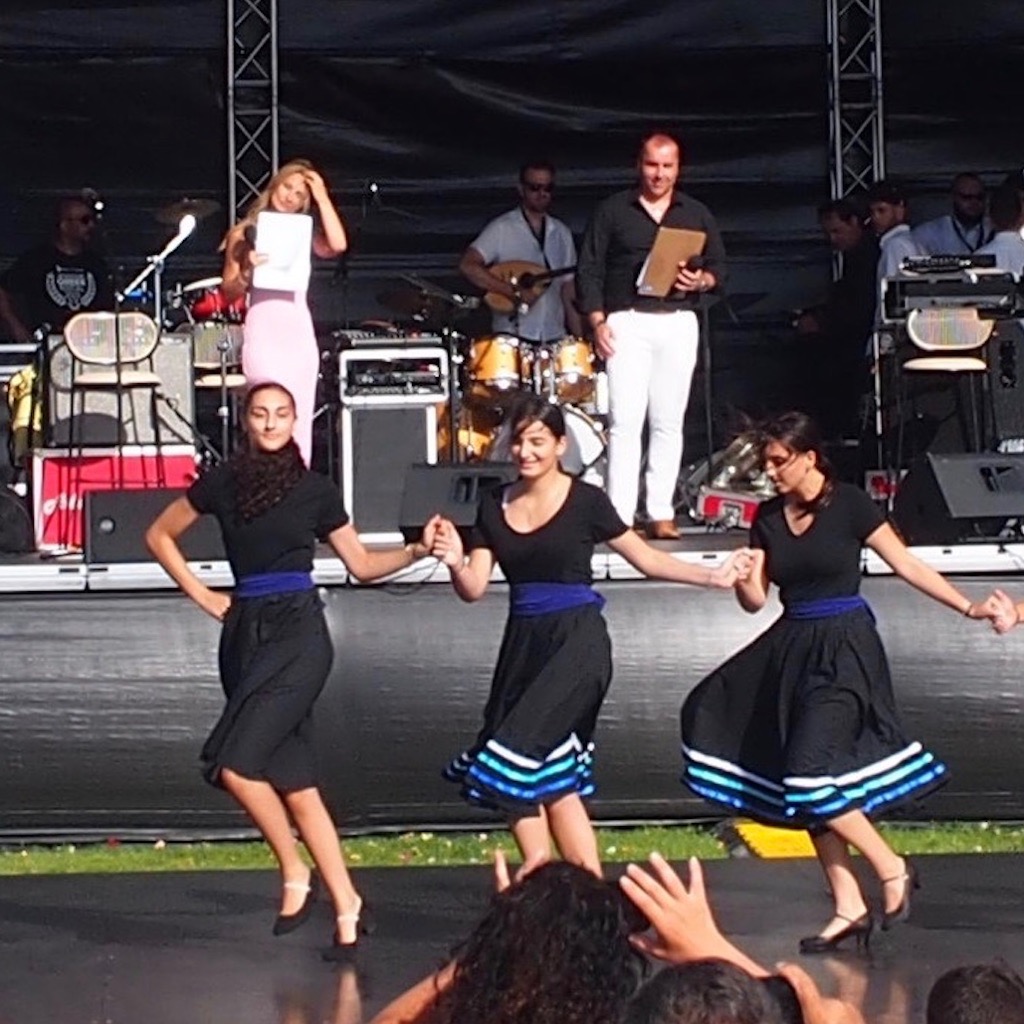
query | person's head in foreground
(552,949)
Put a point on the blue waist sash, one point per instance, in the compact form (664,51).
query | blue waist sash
(543,598)
(264,584)
(825,607)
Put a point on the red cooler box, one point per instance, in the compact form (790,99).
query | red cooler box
(60,482)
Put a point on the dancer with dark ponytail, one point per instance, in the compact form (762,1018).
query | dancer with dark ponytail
(800,728)
(275,651)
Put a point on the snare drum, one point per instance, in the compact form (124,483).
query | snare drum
(205,300)
(210,341)
(573,361)
(493,368)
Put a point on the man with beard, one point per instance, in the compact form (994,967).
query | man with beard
(961,231)
(52,282)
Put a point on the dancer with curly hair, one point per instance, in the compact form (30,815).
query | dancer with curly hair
(275,651)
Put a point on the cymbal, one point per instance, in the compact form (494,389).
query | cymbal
(416,304)
(199,208)
(428,288)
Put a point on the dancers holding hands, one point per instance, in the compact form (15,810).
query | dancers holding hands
(532,760)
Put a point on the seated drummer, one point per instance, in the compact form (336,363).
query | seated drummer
(527,235)
(57,279)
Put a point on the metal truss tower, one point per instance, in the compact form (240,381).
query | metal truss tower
(252,99)
(856,129)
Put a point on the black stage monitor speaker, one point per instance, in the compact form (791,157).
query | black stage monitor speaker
(949,498)
(116,523)
(378,445)
(453,491)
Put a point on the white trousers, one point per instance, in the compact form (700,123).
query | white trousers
(648,378)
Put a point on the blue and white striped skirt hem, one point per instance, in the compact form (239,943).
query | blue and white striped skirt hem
(801,801)
(499,778)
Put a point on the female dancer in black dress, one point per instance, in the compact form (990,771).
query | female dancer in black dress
(275,652)
(532,759)
(800,728)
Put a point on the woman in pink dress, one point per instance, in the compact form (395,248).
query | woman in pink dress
(279,342)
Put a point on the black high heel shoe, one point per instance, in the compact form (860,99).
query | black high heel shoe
(910,882)
(859,928)
(345,952)
(285,923)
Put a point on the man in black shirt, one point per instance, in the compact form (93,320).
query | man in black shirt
(832,366)
(649,342)
(51,282)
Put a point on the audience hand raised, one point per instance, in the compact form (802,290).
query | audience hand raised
(503,879)
(681,917)
(816,1008)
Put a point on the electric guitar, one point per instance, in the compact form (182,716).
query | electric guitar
(530,279)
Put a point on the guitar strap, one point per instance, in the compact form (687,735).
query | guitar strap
(540,236)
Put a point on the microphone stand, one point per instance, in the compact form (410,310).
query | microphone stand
(210,454)
(705,301)
(155,266)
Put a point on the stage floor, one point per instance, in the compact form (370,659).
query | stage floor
(169,948)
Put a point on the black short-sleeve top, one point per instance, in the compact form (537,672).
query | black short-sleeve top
(282,539)
(824,561)
(561,550)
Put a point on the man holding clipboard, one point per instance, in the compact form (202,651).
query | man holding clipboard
(648,256)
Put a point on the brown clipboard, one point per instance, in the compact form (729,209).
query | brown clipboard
(672,246)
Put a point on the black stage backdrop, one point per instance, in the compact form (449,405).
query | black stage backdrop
(437,102)
(105,701)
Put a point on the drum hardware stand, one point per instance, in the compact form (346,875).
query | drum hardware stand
(210,456)
(330,406)
(705,302)
(451,339)
(224,406)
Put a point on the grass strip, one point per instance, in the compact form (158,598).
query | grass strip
(453,848)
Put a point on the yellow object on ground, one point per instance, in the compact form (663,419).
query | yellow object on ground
(765,841)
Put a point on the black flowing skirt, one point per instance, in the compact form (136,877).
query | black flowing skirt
(275,656)
(802,726)
(535,746)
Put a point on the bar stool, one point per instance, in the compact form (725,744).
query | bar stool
(949,341)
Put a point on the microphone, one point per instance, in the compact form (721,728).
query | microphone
(186,226)
(249,234)
(695,262)
(340,268)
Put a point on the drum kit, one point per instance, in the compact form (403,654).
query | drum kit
(496,369)
(215,324)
